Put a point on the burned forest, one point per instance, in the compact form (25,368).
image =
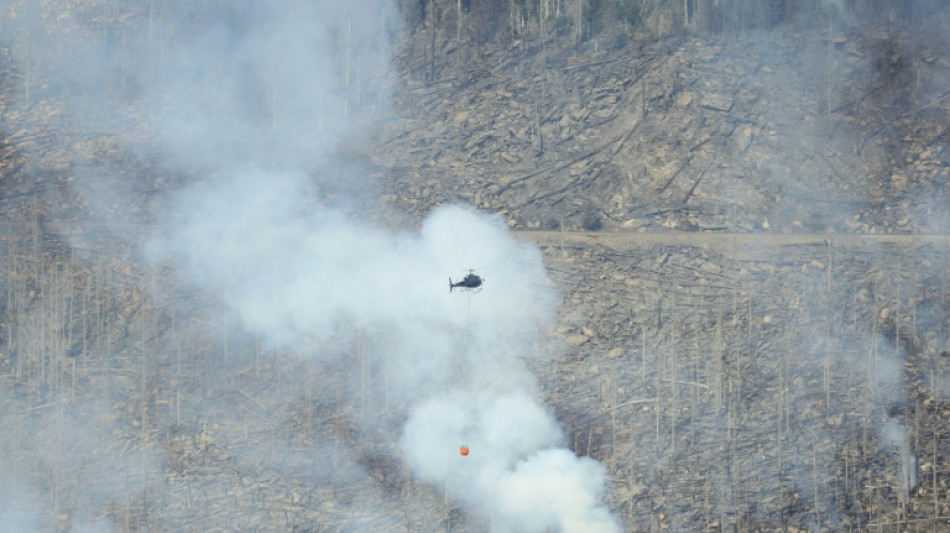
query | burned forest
(697,254)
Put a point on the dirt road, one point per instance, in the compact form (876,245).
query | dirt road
(734,245)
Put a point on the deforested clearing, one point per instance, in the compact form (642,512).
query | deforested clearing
(510,266)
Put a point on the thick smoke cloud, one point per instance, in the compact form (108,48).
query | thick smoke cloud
(297,271)
(519,475)
(296,275)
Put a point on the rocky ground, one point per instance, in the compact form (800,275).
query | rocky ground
(727,133)
(730,343)
(729,380)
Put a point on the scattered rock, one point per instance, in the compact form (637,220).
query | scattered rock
(716,102)
(577,340)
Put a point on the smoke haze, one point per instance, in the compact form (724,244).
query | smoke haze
(247,102)
(275,319)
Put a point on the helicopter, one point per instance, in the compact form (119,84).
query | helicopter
(471,281)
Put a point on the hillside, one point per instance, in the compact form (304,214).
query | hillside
(738,309)
(728,381)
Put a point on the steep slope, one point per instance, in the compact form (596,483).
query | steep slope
(794,379)
(791,130)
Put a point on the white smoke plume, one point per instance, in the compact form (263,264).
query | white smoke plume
(296,272)
(517,474)
(261,233)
